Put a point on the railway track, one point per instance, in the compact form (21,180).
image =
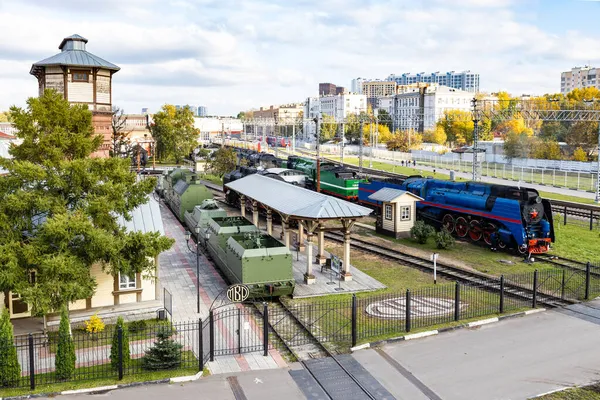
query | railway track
(566,263)
(451,272)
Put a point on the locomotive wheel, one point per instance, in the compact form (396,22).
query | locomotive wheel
(522,250)
(448,223)
(501,244)
(488,230)
(461,227)
(475,231)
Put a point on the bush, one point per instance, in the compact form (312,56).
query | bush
(444,239)
(136,326)
(94,325)
(165,354)
(421,232)
(65,355)
(10,370)
(114,349)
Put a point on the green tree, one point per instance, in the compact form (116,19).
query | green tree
(545,149)
(174,132)
(405,141)
(65,354)
(384,118)
(165,354)
(3,116)
(444,239)
(114,348)
(10,370)
(241,115)
(458,126)
(553,130)
(222,161)
(516,145)
(584,135)
(328,128)
(59,208)
(421,232)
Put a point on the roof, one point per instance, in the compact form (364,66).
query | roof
(295,201)
(73,54)
(145,218)
(6,136)
(390,194)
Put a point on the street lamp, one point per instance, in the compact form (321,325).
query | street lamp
(188,236)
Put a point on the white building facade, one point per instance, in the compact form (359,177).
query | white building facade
(339,107)
(466,80)
(579,78)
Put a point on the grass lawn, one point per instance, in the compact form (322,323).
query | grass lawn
(576,242)
(110,377)
(585,393)
(217,180)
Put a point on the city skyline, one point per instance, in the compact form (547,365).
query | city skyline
(236,58)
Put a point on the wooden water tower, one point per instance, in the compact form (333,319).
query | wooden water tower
(82,78)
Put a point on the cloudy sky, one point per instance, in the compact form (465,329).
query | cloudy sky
(231,55)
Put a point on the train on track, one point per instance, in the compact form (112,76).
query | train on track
(242,253)
(496,215)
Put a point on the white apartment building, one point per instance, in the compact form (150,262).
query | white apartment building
(421,108)
(338,106)
(579,77)
(356,86)
(215,127)
(466,80)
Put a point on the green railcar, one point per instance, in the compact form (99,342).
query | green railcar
(335,180)
(247,256)
(187,193)
(198,219)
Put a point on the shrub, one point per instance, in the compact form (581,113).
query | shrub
(421,232)
(10,370)
(65,355)
(136,326)
(165,354)
(444,239)
(114,349)
(94,325)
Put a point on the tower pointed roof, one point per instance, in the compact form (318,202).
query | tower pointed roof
(73,54)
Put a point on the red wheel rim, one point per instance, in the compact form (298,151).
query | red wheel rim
(448,223)
(475,232)
(487,233)
(462,228)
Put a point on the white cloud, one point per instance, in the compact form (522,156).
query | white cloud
(230,55)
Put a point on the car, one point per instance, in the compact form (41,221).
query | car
(289,175)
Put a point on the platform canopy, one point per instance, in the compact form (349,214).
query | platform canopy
(294,201)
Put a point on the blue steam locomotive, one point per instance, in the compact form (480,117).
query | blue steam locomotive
(501,216)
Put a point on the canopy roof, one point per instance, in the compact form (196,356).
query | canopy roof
(390,194)
(294,201)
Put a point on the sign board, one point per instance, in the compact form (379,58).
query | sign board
(336,263)
(238,293)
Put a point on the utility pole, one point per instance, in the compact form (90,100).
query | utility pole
(475,176)
(318,134)
(376,132)
(342,143)
(598,166)
(222,134)
(360,147)
(294,138)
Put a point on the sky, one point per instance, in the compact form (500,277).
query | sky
(233,55)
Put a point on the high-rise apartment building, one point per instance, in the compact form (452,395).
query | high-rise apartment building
(202,111)
(356,86)
(327,89)
(579,77)
(466,80)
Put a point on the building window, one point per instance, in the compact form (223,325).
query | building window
(405,213)
(388,211)
(80,76)
(126,282)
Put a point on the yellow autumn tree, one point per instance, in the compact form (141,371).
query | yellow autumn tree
(579,155)
(435,135)
(516,126)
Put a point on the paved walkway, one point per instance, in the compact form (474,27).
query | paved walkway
(177,273)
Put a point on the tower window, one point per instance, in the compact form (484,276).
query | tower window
(80,76)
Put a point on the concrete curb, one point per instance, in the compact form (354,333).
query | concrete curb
(419,335)
(178,379)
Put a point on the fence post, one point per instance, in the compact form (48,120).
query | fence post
(239,332)
(535,280)
(407,310)
(31,363)
(265,329)
(120,341)
(200,347)
(501,294)
(588,268)
(354,320)
(562,285)
(457,301)
(565,216)
(591,220)
(211,333)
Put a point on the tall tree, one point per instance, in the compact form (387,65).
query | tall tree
(405,141)
(328,128)
(579,95)
(222,161)
(435,135)
(10,369)
(174,132)
(121,143)
(59,208)
(584,134)
(458,126)
(516,145)
(384,118)
(553,130)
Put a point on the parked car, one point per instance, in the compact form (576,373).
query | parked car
(289,175)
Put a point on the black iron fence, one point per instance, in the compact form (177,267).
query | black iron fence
(237,328)
(564,215)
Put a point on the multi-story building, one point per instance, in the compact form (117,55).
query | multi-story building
(217,128)
(193,109)
(356,86)
(340,90)
(274,120)
(81,78)
(326,89)
(202,111)
(420,108)
(338,106)
(579,77)
(466,80)
(376,89)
